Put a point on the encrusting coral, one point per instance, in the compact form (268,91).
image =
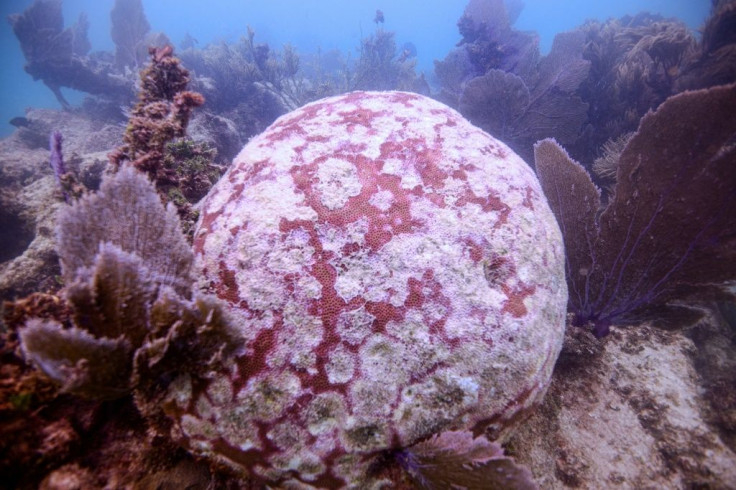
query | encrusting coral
(363,231)
(666,235)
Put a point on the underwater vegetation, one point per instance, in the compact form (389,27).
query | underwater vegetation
(594,86)
(375,291)
(126,267)
(667,231)
(161,116)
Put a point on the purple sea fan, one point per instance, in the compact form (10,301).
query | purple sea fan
(455,459)
(667,234)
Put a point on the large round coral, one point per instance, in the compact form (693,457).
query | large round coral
(396,271)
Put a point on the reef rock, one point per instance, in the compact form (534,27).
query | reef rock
(644,408)
(396,272)
(30,197)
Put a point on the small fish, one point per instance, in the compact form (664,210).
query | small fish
(20,122)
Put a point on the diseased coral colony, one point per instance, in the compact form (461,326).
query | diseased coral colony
(374,294)
(354,239)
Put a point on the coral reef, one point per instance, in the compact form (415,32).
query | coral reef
(246,87)
(158,358)
(714,60)
(667,232)
(130,33)
(594,85)
(67,181)
(161,115)
(636,419)
(126,268)
(380,67)
(30,195)
(58,56)
(634,64)
(411,240)
(497,80)
(504,105)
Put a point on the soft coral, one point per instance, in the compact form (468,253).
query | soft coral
(668,231)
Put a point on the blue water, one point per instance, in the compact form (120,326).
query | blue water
(308,25)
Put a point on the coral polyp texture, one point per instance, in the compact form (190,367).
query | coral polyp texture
(397,273)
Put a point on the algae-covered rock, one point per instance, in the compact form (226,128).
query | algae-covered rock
(396,272)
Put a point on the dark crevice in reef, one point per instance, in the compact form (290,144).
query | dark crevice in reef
(15,233)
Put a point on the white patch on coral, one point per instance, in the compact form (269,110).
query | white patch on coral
(309,287)
(197,428)
(338,182)
(236,428)
(341,366)
(382,200)
(365,275)
(300,335)
(372,397)
(291,255)
(377,354)
(325,413)
(354,326)
(180,391)
(334,238)
(410,177)
(220,391)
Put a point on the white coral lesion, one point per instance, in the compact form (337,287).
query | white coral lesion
(355,325)
(338,181)
(341,366)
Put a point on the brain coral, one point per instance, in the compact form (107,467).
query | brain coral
(396,271)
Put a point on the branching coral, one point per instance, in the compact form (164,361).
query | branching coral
(379,66)
(667,233)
